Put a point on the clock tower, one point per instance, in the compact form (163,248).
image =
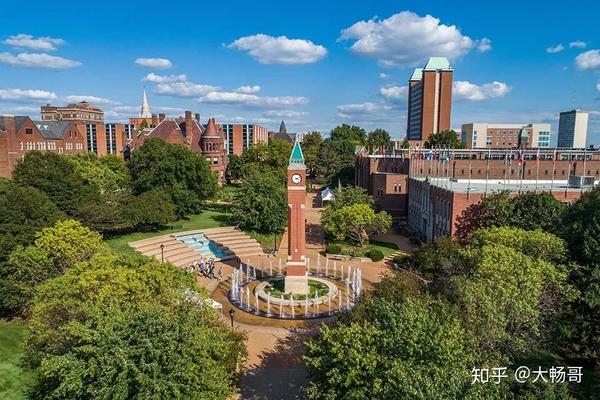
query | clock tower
(296,280)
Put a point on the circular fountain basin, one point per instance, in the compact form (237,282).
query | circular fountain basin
(263,295)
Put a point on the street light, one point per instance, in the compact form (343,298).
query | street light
(231,314)
(162,253)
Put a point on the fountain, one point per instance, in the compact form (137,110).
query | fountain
(316,304)
(306,307)
(248,306)
(281,313)
(234,285)
(334,269)
(248,271)
(241,296)
(349,273)
(326,266)
(256,311)
(347,301)
(292,303)
(254,273)
(269,307)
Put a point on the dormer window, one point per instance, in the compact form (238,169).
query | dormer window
(28,131)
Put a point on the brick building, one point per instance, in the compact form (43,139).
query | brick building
(238,137)
(429,100)
(483,135)
(21,135)
(390,179)
(208,140)
(81,112)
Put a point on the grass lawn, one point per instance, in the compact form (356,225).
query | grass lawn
(213,217)
(351,250)
(266,240)
(14,379)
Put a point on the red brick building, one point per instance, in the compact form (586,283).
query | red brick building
(429,100)
(187,131)
(21,135)
(238,137)
(388,177)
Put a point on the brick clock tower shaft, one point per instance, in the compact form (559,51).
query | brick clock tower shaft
(296,280)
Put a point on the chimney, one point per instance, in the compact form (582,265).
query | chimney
(161,117)
(154,119)
(188,124)
(197,117)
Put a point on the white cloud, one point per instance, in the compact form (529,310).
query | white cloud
(26,94)
(279,50)
(90,99)
(383,75)
(184,89)
(406,39)
(251,100)
(588,60)
(471,91)
(578,43)
(27,41)
(152,77)
(248,89)
(361,108)
(598,86)
(159,63)
(38,60)
(555,49)
(285,113)
(484,45)
(394,92)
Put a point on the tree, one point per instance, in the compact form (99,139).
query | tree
(408,350)
(311,142)
(129,327)
(335,161)
(579,329)
(538,211)
(444,140)
(272,157)
(351,134)
(25,211)
(356,223)
(378,139)
(493,210)
(54,175)
(347,196)
(149,210)
(234,168)
(185,175)
(55,250)
(107,174)
(260,204)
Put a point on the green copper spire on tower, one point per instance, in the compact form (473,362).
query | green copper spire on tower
(296,158)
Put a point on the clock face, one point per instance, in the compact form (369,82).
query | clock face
(296,178)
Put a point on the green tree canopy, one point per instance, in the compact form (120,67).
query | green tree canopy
(25,211)
(352,134)
(311,143)
(54,175)
(379,138)
(129,327)
(356,223)
(183,174)
(348,196)
(55,250)
(106,174)
(444,140)
(234,168)
(260,204)
(335,161)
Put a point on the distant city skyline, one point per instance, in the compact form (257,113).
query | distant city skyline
(314,65)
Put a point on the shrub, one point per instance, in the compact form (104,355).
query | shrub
(334,249)
(400,260)
(376,255)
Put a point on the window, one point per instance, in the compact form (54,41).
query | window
(28,131)
(111,138)
(20,145)
(91,138)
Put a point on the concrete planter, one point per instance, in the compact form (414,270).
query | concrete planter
(343,257)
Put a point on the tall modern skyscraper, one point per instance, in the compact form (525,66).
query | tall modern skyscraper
(429,99)
(572,129)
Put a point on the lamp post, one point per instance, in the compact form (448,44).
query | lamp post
(231,314)
(162,253)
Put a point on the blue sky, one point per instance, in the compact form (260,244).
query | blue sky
(314,64)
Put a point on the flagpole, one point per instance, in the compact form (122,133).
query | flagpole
(487,171)
(553,170)
(469,184)
(537,174)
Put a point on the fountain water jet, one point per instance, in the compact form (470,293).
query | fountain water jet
(281,313)
(292,303)
(256,311)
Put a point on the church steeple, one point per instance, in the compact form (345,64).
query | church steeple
(282,128)
(145,112)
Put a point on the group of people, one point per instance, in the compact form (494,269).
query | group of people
(206,268)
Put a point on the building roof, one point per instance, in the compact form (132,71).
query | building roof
(479,186)
(437,63)
(296,158)
(52,129)
(417,74)
(282,127)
